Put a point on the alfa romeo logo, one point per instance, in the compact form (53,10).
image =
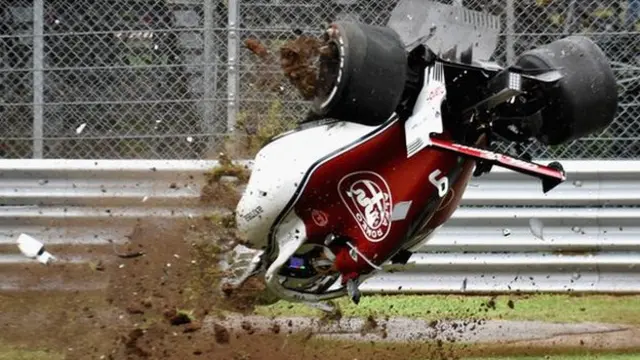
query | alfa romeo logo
(320,218)
(368,198)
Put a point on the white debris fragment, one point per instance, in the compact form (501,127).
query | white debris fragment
(537,228)
(176,256)
(189,139)
(121,266)
(80,128)
(144,199)
(324,306)
(168,264)
(506,232)
(34,249)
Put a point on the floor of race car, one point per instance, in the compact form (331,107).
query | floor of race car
(163,306)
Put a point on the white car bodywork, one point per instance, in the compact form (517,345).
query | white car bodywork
(279,170)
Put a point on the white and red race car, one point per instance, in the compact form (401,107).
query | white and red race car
(405,114)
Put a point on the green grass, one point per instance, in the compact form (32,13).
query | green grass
(566,357)
(13,353)
(550,308)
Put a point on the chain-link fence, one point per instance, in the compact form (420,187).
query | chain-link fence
(111,79)
(168,79)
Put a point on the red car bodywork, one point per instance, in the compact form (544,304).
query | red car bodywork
(353,194)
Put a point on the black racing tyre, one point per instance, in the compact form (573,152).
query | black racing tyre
(362,75)
(585,99)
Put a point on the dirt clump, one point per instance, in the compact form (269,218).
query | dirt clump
(298,61)
(222,186)
(370,325)
(248,327)
(177,318)
(131,344)
(257,48)
(221,334)
(488,305)
(332,316)
(275,328)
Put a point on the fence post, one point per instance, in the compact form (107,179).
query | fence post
(568,24)
(232,64)
(210,73)
(510,36)
(38,81)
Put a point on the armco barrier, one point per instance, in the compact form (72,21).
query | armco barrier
(591,223)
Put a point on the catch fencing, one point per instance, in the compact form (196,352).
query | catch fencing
(152,79)
(584,236)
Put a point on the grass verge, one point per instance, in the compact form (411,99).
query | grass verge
(543,307)
(13,353)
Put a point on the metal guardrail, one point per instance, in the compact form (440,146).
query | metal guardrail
(591,224)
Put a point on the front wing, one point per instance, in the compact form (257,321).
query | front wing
(551,175)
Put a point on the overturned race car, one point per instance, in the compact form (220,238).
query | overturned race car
(403,116)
